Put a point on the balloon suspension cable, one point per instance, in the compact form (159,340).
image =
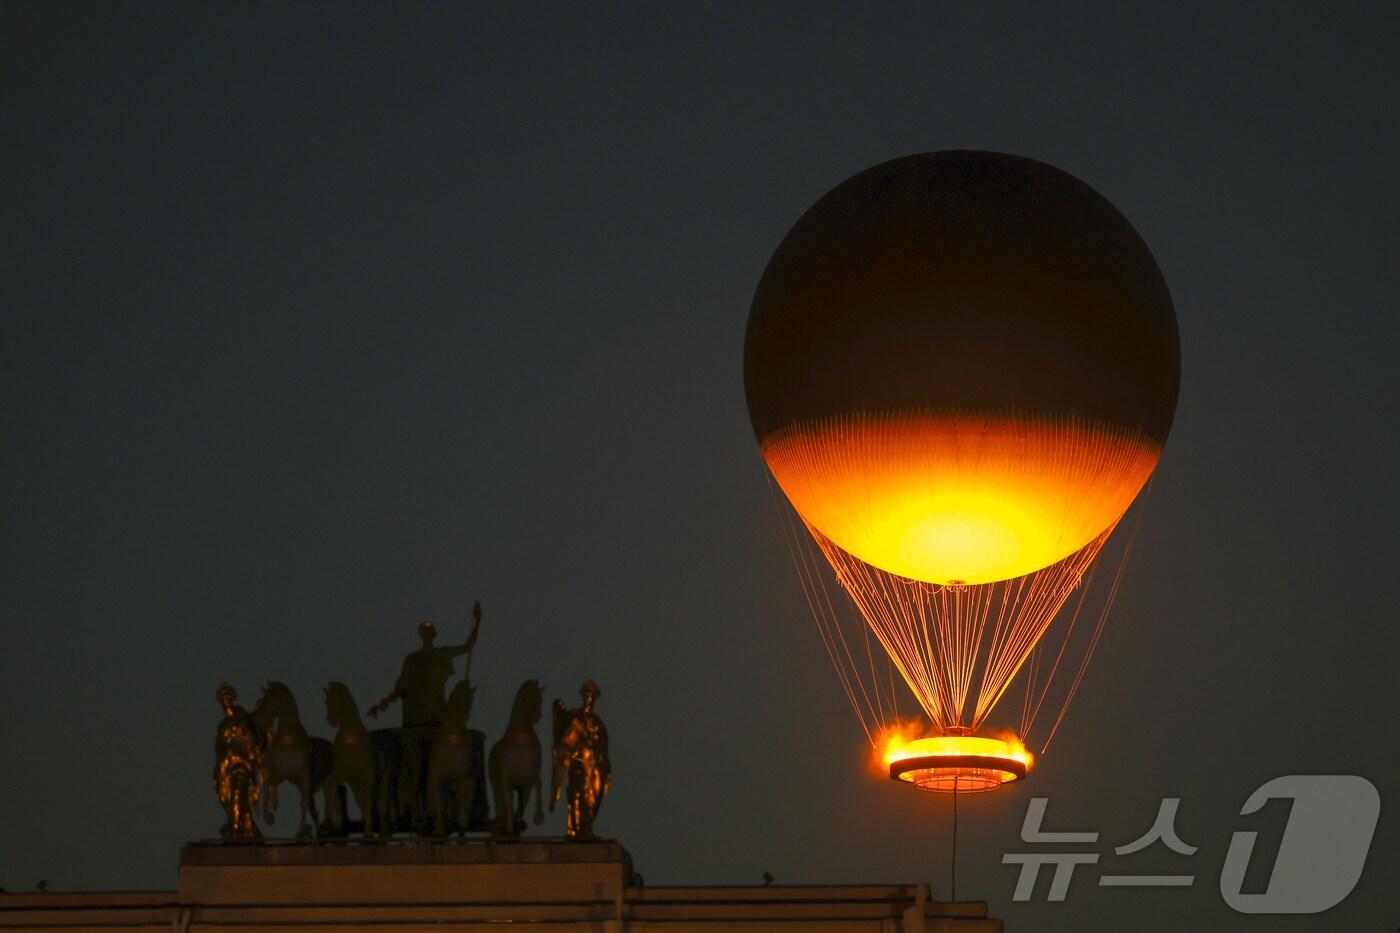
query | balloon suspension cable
(871,702)
(958,648)
(953,868)
(1105,610)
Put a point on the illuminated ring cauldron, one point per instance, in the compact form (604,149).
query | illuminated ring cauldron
(965,764)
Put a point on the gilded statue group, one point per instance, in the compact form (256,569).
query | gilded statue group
(427,776)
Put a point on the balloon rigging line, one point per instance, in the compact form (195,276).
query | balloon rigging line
(813,607)
(824,615)
(1104,612)
(1030,688)
(1032,711)
(934,634)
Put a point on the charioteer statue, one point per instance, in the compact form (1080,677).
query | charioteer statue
(421,692)
(422,683)
(582,767)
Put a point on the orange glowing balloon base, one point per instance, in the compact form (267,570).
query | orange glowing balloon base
(964,764)
(959,498)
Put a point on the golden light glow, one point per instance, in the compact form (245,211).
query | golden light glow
(892,737)
(946,498)
(897,749)
(973,762)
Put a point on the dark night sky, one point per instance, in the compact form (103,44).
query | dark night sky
(319,320)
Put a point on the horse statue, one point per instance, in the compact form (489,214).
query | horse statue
(450,761)
(292,755)
(514,763)
(366,762)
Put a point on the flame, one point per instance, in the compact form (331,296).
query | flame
(894,736)
(1017,749)
(898,746)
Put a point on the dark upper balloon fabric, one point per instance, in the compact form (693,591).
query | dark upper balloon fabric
(963,280)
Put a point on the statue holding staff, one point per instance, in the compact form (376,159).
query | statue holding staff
(422,683)
(421,691)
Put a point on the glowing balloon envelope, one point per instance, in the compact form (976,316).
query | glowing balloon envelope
(961,366)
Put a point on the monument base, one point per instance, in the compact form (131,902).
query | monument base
(554,885)
(538,871)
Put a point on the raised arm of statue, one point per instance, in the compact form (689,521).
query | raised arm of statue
(467,646)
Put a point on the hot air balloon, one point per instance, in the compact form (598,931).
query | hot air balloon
(961,368)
